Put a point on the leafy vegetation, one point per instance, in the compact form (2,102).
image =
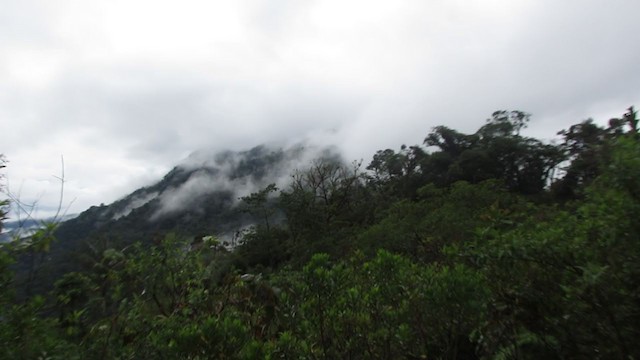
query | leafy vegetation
(489,245)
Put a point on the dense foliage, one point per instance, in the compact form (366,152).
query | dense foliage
(489,245)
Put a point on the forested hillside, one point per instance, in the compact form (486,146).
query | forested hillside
(200,196)
(490,245)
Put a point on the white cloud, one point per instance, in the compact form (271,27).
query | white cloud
(212,172)
(125,89)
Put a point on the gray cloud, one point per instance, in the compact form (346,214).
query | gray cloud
(213,172)
(125,90)
(136,202)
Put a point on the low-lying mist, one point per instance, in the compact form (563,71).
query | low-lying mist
(234,174)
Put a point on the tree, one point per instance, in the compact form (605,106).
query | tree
(4,202)
(495,151)
(6,258)
(257,204)
(323,199)
(588,148)
(449,141)
(565,283)
(397,175)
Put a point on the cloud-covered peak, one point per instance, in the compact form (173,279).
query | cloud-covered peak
(235,173)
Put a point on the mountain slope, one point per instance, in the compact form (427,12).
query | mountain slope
(199,197)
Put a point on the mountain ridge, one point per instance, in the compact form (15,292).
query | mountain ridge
(198,197)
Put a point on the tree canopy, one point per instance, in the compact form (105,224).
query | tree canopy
(490,245)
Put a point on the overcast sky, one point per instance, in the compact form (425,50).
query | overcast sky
(125,89)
